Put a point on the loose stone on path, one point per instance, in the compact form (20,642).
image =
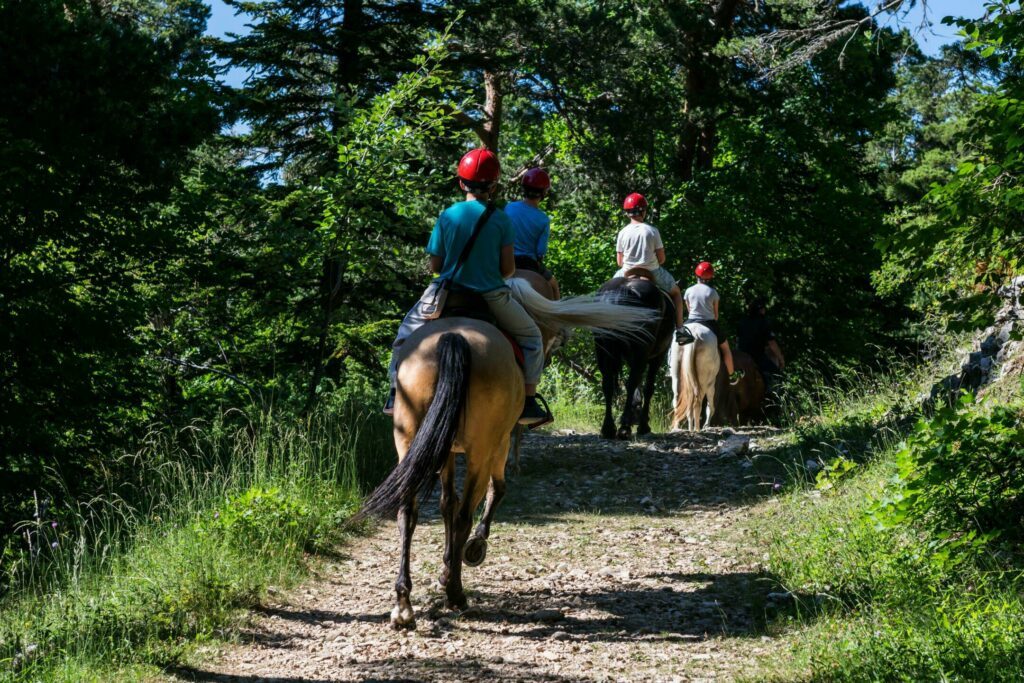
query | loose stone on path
(608,561)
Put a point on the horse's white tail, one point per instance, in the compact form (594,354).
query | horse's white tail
(686,384)
(697,377)
(588,311)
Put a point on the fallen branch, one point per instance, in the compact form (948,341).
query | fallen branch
(181,362)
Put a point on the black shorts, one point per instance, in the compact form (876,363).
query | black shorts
(713,326)
(530,263)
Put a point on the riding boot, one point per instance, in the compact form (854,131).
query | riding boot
(389,405)
(533,412)
(684,336)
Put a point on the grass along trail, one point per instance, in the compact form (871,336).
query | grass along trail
(607,561)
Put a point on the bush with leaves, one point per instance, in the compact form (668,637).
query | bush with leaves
(961,474)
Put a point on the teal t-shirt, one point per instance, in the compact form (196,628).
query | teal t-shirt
(482,270)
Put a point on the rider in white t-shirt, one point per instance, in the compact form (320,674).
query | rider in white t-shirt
(639,245)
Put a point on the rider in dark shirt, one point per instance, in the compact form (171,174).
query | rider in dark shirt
(757,338)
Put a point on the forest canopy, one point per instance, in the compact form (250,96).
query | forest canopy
(175,246)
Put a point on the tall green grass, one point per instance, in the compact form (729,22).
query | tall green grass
(578,403)
(211,517)
(866,597)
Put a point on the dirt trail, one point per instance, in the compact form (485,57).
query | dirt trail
(607,561)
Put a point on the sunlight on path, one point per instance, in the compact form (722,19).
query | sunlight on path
(607,562)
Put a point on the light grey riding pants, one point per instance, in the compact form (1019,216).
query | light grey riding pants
(511,317)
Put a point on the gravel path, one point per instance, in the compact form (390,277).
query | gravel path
(607,561)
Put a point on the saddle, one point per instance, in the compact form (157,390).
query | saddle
(638,274)
(464,303)
(644,274)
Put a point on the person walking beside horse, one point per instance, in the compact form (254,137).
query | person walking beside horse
(757,338)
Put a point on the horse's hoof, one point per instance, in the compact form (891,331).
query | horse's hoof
(458,602)
(403,618)
(442,579)
(643,431)
(474,552)
(625,432)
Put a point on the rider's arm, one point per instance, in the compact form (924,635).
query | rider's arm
(436,263)
(618,258)
(716,309)
(776,354)
(507,261)
(660,253)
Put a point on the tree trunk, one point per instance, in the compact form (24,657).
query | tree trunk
(348,76)
(698,136)
(493,99)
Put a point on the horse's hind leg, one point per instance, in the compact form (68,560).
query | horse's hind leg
(475,549)
(609,368)
(517,442)
(644,426)
(449,504)
(477,479)
(711,405)
(402,616)
(636,369)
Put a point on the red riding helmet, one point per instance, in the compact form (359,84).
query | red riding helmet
(536,179)
(705,270)
(635,203)
(479,167)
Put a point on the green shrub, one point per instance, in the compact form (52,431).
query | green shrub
(961,476)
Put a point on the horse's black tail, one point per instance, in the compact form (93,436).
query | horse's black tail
(417,472)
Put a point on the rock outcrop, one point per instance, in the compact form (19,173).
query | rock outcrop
(996,347)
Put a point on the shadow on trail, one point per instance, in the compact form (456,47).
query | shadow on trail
(401,670)
(686,607)
(654,475)
(316,616)
(188,673)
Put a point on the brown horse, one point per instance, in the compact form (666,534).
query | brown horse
(460,390)
(743,403)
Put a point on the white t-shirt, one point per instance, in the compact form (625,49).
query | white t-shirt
(700,301)
(638,243)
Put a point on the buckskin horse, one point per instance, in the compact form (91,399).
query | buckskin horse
(460,390)
(639,352)
(694,370)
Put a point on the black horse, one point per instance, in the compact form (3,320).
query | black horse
(637,352)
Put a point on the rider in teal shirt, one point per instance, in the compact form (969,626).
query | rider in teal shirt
(488,262)
(482,273)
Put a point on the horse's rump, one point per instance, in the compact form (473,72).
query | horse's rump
(495,384)
(694,371)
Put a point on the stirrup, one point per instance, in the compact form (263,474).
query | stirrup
(547,420)
(684,336)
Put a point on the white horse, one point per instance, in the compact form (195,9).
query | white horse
(694,369)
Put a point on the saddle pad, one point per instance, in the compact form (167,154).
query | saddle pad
(516,349)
